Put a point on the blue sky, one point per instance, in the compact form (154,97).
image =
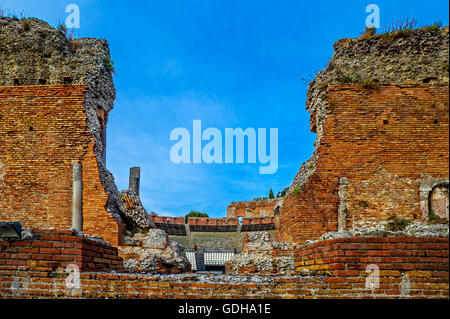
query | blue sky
(226,63)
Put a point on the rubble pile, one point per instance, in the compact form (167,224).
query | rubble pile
(153,252)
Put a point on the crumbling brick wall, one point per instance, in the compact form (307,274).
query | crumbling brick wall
(47,125)
(51,250)
(254,208)
(43,130)
(402,266)
(408,268)
(386,141)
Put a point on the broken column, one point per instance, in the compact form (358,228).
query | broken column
(77,197)
(342,210)
(135,175)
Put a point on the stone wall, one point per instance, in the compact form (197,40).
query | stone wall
(153,251)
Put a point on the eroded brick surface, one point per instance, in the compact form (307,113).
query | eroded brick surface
(386,141)
(43,132)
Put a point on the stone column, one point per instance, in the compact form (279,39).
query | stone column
(77,197)
(342,209)
(135,176)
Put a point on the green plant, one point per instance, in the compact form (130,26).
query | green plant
(370,84)
(193,213)
(284,191)
(109,64)
(363,203)
(399,25)
(297,190)
(342,77)
(61,27)
(72,43)
(395,224)
(434,218)
(25,24)
(434,27)
(368,33)
(271,194)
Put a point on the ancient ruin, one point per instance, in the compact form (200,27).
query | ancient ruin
(373,195)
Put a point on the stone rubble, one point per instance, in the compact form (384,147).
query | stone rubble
(256,256)
(152,251)
(414,229)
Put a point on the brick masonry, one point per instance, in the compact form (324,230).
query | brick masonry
(408,268)
(386,141)
(254,208)
(51,249)
(405,266)
(43,133)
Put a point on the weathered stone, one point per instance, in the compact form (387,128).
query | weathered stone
(152,251)
(43,55)
(414,229)
(133,211)
(381,60)
(256,257)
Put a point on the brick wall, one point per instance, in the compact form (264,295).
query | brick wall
(254,208)
(51,249)
(167,220)
(409,268)
(386,141)
(43,132)
(257,220)
(204,221)
(417,265)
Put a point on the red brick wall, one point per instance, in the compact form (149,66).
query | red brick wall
(204,221)
(51,249)
(257,220)
(423,260)
(256,208)
(384,141)
(337,271)
(168,220)
(43,132)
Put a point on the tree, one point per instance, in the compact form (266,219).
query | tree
(193,213)
(271,194)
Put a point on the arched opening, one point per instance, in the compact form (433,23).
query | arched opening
(438,203)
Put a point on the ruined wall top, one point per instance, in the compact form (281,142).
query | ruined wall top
(407,56)
(34,53)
